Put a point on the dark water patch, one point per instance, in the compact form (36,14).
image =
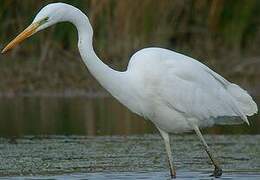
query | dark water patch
(21,116)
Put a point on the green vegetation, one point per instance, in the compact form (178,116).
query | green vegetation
(223,34)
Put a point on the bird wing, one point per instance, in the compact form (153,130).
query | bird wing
(195,90)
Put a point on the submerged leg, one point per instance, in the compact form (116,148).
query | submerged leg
(217,171)
(166,139)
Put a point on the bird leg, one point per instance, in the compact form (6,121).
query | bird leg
(166,139)
(217,171)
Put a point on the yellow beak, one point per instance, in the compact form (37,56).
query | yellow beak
(29,31)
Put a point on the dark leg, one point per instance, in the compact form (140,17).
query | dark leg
(217,171)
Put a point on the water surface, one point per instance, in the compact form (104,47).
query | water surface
(126,157)
(97,138)
(84,116)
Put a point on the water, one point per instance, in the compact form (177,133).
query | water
(141,175)
(81,116)
(126,157)
(97,138)
(84,116)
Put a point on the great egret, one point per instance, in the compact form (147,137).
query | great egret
(177,93)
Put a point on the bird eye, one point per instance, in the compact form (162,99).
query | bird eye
(44,20)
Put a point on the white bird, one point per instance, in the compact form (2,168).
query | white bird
(176,92)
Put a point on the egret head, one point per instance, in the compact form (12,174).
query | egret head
(47,16)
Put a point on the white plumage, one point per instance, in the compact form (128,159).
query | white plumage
(177,93)
(176,88)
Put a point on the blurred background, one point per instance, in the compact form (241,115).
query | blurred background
(46,89)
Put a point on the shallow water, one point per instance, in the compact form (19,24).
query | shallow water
(106,141)
(142,175)
(126,157)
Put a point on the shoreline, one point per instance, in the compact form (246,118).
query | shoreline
(56,94)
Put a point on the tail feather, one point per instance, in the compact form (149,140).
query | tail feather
(244,101)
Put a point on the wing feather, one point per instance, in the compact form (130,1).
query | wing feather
(189,87)
(194,89)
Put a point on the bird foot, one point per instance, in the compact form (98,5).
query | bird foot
(173,174)
(217,172)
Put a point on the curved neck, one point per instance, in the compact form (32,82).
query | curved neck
(110,79)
